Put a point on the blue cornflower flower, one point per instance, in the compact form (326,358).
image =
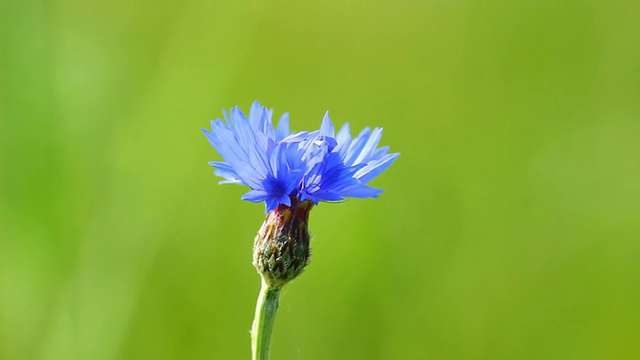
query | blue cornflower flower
(282,167)
(290,172)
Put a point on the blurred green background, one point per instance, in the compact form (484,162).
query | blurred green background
(510,225)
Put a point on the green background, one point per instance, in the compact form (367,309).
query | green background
(510,225)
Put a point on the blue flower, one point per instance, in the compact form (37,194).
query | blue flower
(282,167)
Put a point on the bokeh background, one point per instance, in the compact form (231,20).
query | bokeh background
(510,225)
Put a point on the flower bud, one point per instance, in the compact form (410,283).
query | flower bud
(281,248)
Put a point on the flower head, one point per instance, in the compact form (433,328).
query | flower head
(282,167)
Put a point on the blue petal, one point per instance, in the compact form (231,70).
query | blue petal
(255,196)
(375,168)
(224,141)
(344,140)
(356,146)
(362,191)
(226,171)
(369,146)
(255,114)
(273,203)
(380,152)
(283,127)
(326,128)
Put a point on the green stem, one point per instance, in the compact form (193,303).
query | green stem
(263,322)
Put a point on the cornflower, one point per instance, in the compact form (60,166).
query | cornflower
(291,173)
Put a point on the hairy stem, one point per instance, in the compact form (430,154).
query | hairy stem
(263,322)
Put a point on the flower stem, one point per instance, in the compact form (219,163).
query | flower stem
(263,322)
